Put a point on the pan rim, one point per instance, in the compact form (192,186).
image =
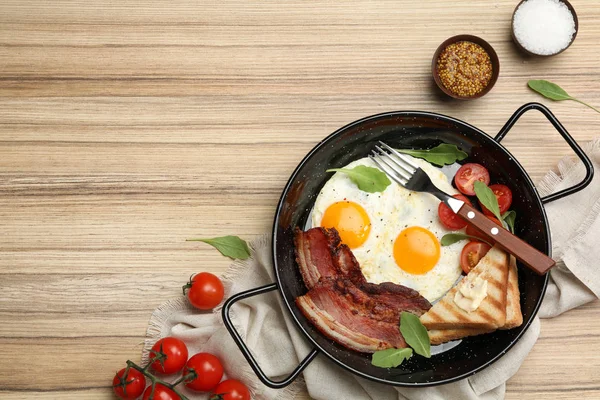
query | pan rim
(321,144)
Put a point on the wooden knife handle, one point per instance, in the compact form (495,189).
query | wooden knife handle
(527,254)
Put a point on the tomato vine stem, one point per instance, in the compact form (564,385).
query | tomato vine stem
(154,379)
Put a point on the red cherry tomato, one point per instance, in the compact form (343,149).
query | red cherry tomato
(171,354)
(161,392)
(130,386)
(467,175)
(503,195)
(209,371)
(205,291)
(231,390)
(448,218)
(472,231)
(471,254)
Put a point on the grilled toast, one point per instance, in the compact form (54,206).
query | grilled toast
(491,313)
(514,317)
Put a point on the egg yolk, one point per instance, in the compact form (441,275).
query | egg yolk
(416,250)
(350,220)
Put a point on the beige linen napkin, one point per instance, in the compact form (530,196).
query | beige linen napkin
(264,323)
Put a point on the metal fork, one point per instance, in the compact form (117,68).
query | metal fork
(401,169)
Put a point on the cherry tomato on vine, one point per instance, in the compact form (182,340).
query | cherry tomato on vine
(448,218)
(170,355)
(231,390)
(208,369)
(204,290)
(503,195)
(467,175)
(130,386)
(471,254)
(161,392)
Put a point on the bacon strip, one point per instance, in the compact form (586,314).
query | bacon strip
(314,254)
(349,323)
(341,303)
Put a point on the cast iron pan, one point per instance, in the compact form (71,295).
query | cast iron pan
(409,129)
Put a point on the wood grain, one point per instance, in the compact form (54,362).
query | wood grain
(128,126)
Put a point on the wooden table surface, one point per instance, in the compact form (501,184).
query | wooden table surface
(128,126)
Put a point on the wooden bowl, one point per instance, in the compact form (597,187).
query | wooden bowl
(523,49)
(466,38)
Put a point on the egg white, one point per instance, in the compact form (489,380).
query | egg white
(390,212)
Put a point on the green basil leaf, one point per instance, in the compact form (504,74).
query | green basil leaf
(487,198)
(444,154)
(368,179)
(390,358)
(229,246)
(509,217)
(451,238)
(554,92)
(415,334)
(548,89)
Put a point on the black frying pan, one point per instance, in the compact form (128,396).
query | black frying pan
(409,129)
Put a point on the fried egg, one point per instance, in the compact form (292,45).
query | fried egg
(395,235)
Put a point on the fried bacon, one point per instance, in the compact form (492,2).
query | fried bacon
(314,254)
(348,322)
(341,303)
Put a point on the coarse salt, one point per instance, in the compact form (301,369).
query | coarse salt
(544,27)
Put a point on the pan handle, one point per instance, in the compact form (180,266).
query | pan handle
(568,138)
(246,351)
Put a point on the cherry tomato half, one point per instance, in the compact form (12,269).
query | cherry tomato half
(503,195)
(472,231)
(209,371)
(131,386)
(231,390)
(471,254)
(205,291)
(467,175)
(161,392)
(172,354)
(448,218)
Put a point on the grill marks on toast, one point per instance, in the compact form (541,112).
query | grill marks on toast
(514,317)
(491,313)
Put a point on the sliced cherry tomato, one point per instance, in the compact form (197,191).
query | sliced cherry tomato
(503,195)
(170,355)
(471,254)
(161,392)
(209,371)
(130,386)
(231,390)
(472,231)
(467,175)
(205,291)
(448,218)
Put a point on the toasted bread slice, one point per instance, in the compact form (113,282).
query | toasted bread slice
(439,336)
(514,317)
(491,313)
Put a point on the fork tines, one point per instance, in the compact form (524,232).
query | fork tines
(396,165)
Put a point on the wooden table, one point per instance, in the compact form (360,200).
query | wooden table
(127,127)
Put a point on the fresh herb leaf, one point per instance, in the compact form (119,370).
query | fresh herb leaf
(229,246)
(444,154)
(415,334)
(548,89)
(509,217)
(451,238)
(391,358)
(554,92)
(368,179)
(487,198)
